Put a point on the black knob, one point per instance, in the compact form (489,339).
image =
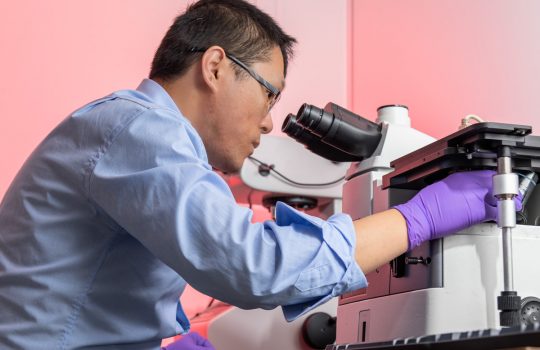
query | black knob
(319,330)
(509,304)
(412,260)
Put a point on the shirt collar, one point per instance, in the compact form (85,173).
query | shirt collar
(157,94)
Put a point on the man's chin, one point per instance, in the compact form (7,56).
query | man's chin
(232,172)
(228,169)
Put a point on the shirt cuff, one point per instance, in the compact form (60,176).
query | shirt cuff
(339,234)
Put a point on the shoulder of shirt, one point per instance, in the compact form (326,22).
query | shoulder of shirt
(141,100)
(132,104)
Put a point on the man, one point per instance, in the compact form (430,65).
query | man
(119,206)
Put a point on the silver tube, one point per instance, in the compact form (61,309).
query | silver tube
(503,185)
(504,165)
(507,259)
(506,209)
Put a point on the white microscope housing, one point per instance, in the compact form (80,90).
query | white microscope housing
(450,284)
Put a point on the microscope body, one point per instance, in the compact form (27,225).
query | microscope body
(450,284)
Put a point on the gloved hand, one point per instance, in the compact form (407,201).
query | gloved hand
(452,204)
(190,341)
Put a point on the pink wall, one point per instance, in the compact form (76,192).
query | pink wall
(446,59)
(58,55)
(319,72)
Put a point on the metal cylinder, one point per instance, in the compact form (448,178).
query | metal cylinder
(504,165)
(506,213)
(505,185)
(505,188)
(507,259)
(394,114)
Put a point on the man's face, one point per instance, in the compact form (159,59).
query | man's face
(241,114)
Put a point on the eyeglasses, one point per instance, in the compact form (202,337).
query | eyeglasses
(273,93)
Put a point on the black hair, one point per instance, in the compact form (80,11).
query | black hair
(239,27)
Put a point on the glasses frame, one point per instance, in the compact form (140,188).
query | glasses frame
(275,92)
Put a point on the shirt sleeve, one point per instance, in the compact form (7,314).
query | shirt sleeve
(153,180)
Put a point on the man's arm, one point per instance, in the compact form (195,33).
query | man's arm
(380,238)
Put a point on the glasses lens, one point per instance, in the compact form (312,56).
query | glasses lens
(273,99)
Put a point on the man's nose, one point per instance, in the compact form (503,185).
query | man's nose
(267,125)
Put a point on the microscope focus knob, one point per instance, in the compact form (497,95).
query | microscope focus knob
(319,330)
(510,304)
(530,311)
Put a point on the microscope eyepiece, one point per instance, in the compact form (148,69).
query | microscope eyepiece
(333,131)
(291,126)
(313,143)
(315,119)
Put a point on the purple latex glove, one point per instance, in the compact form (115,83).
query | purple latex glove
(452,204)
(190,341)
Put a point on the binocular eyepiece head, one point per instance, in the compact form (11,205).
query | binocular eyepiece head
(333,132)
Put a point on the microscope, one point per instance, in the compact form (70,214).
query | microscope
(445,290)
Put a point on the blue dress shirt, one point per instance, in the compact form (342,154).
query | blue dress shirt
(118,208)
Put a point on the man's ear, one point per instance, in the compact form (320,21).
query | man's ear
(212,64)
